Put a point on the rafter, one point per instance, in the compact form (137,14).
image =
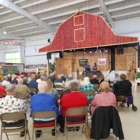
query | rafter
(17,9)
(105,10)
(63,14)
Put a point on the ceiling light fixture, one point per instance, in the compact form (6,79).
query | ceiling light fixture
(4,32)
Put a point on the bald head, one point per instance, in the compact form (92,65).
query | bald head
(94,76)
(10,89)
(42,86)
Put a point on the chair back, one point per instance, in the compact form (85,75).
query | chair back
(14,116)
(44,114)
(33,89)
(96,86)
(90,100)
(76,111)
(21,95)
(89,92)
(104,118)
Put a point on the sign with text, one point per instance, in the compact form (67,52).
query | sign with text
(102,61)
(20,42)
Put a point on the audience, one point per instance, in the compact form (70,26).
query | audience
(20,88)
(25,81)
(33,83)
(94,80)
(43,78)
(44,102)
(86,87)
(5,81)
(105,98)
(14,80)
(73,99)
(66,90)
(117,78)
(9,77)
(11,104)
(123,87)
(51,90)
(63,77)
(59,79)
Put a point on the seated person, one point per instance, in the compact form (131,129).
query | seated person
(94,80)
(66,90)
(63,77)
(44,102)
(51,90)
(11,104)
(73,99)
(25,81)
(20,88)
(105,98)
(33,83)
(5,81)
(105,79)
(14,80)
(87,86)
(59,79)
(2,91)
(117,78)
(123,87)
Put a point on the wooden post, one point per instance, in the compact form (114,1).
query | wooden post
(47,67)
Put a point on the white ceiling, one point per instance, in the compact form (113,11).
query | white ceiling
(25,18)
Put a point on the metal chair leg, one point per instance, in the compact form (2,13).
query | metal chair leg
(33,134)
(28,133)
(7,136)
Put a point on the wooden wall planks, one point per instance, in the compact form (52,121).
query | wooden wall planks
(123,62)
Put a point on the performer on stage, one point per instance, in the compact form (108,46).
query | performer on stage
(95,68)
(87,69)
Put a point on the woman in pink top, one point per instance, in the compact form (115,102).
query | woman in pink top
(105,98)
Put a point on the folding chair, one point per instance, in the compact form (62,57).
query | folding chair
(14,117)
(59,87)
(44,114)
(74,112)
(89,92)
(33,90)
(21,95)
(96,86)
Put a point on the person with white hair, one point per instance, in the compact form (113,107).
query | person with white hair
(44,102)
(72,100)
(9,104)
(87,86)
(20,88)
(5,82)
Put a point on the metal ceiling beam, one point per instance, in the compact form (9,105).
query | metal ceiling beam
(8,35)
(105,10)
(64,14)
(17,9)
(24,6)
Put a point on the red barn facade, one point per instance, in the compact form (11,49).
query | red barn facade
(83,30)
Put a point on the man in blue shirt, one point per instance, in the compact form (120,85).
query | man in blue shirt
(87,69)
(33,83)
(44,102)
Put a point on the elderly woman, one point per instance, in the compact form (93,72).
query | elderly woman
(14,80)
(73,99)
(52,90)
(87,86)
(105,98)
(123,87)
